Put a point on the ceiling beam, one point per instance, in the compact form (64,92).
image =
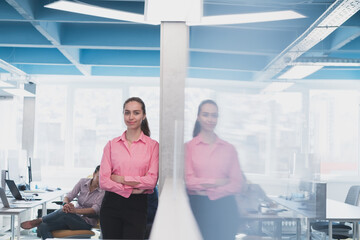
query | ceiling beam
(326,61)
(329,21)
(343,37)
(51,31)
(11,69)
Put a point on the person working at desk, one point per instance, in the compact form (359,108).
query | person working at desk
(213,176)
(82,217)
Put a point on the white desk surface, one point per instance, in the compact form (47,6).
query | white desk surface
(336,210)
(11,211)
(45,197)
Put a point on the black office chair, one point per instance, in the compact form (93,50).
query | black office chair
(340,229)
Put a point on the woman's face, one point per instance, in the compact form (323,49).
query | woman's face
(133,115)
(208,117)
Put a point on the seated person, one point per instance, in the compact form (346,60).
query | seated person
(82,217)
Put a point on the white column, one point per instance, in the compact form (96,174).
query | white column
(173,72)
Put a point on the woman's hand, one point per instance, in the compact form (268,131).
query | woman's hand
(117,178)
(121,179)
(222,181)
(218,182)
(137,191)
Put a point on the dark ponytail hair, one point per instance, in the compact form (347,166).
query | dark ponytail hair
(197,126)
(144,123)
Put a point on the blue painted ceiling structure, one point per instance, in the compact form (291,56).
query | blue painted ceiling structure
(41,41)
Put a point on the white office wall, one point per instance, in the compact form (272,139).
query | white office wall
(11,122)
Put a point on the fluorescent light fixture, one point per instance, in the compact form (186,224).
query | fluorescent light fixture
(324,61)
(277,87)
(247,18)
(18,92)
(5,84)
(299,72)
(329,21)
(97,11)
(10,68)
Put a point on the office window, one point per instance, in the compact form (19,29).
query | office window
(11,123)
(334,131)
(97,119)
(50,124)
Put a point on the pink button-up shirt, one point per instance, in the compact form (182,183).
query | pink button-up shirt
(139,163)
(207,163)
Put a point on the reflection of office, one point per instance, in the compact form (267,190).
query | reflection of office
(260,215)
(281,216)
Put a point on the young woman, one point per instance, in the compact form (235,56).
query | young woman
(82,217)
(213,176)
(129,171)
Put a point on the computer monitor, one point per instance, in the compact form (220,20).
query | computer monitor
(14,190)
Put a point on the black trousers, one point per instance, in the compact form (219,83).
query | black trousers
(217,219)
(123,218)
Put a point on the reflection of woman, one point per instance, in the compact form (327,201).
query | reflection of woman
(129,171)
(82,217)
(213,176)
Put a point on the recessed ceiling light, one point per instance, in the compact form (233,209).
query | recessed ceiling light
(5,84)
(299,72)
(97,11)
(277,87)
(247,18)
(18,92)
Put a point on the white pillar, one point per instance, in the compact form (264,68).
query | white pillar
(173,72)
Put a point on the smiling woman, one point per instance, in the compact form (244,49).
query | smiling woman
(129,171)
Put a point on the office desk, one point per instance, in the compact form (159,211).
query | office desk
(340,211)
(13,212)
(277,219)
(45,198)
(335,211)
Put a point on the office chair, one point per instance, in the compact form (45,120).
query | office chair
(66,233)
(340,229)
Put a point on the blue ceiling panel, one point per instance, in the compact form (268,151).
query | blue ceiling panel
(27,7)
(354,44)
(353,21)
(32,55)
(126,71)
(231,39)
(120,57)
(220,74)
(3,71)
(351,73)
(21,33)
(345,54)
(227,61)
(125,35)
(8,13)
(39,40)
(49,69)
